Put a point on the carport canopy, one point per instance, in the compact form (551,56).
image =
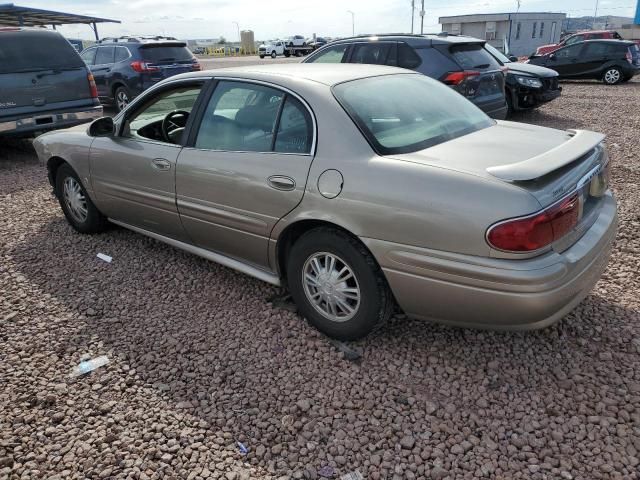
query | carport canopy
(15,16)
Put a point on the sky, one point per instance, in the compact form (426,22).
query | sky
(193,19)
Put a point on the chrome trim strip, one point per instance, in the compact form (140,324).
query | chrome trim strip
(57,118)
(207,254)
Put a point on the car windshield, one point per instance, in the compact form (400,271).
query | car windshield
(501,57)
(405,113)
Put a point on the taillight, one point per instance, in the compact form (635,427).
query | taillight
(196,66)
(92,86)
(527,234)
(140,67)
(629,56)
(456,78)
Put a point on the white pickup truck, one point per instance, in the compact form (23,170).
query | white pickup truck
(296,45)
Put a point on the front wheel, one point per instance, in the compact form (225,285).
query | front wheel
(76,205)
(612,76)
(261,56)
(337,284)
(273,54)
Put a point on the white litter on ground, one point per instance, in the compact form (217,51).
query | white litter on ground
(90,365)
(104,257)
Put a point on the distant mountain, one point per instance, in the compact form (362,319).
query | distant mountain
(605,22)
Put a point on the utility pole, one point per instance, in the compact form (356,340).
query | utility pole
(413,9)
(422,18)
(595,14)
(238,28)
(353,22)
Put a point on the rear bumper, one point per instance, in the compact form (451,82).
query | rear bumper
(43,122)
(468,291)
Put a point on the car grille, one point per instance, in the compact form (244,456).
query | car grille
(550,83)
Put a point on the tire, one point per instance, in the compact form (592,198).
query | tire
(374,303)
(287,54)
(84,220)
(612,76)
(122,97)
(273,54)
(509,98)
(261,56)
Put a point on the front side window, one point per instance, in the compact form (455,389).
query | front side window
(104,55)
(372,53)
(147,121)
(88,56)
(394,122)
(333,54)
(575,39)
(568,52)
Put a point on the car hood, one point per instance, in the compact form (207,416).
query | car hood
(532,157)
(529,69)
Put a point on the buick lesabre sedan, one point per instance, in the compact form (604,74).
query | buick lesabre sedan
(357,187)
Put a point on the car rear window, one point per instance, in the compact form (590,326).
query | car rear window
(472,56)
(26,51)
(166,53)
(394,122)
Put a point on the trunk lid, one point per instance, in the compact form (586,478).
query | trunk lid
(545,162)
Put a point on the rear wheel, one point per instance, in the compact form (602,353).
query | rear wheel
(612,76)
(337,285)
(273,54)
(76,205)
(122,98)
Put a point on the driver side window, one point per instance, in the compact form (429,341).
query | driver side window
(568,52)
(147,121)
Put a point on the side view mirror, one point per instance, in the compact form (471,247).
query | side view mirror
(102,127)
(552,56)
(513,58)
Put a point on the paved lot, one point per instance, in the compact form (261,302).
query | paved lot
(209,63)
(200,359)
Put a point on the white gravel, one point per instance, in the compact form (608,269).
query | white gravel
(200,360)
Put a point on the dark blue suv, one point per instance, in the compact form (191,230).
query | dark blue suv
(124,67)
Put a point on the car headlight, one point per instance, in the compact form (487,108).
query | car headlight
(529,82)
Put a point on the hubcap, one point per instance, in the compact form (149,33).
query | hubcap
(74,199)
(612,76)
(122,100)
(331,286)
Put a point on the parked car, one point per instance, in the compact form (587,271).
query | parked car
(295,41)
(458,61)
(124,67)
(612,61)
(335,182)
(526,86)
(576,38)
(44,84)
(317,42)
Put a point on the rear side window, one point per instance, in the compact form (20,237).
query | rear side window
(601,49)
(333,54)
(372,53)
(395,122)
(26,51)
(407,57)
(104,55)
(88,56)
(121,54)
(294,128)
(473,57)
(165,53)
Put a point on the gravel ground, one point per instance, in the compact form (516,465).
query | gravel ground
(200,360)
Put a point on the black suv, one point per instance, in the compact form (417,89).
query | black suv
(526,86)
(126,66)
(612,61)
(44,84)
(458,61)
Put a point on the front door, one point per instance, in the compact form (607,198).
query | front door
(133,172)
(566,61)
(247,168)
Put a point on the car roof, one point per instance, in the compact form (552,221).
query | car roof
(611,41)
(327,74)
(442,37)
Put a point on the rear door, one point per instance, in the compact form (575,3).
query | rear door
(595,55)
(374,53)
(485,85)
(245,169)
(101,69)
(167,59)
(40,71)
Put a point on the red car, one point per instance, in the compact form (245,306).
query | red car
(578,37)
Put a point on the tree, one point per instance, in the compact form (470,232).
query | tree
(222,41)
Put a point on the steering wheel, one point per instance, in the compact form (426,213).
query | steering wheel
(173,121)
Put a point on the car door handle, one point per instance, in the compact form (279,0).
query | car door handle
(281,182)
(161,164)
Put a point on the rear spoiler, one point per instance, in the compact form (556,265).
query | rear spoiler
(580,142)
